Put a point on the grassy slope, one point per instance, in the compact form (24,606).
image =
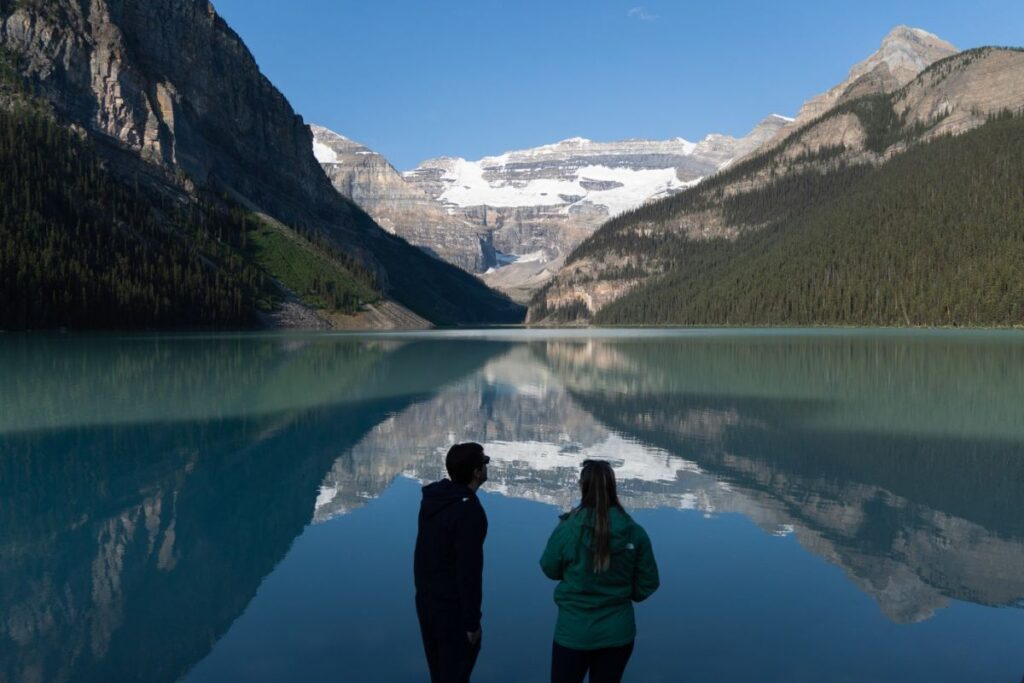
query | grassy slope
(318,277)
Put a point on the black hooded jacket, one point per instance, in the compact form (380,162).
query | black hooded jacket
(449,559)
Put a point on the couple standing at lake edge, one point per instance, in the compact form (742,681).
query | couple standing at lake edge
(601,558)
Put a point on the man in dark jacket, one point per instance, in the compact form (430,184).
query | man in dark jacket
(449,564)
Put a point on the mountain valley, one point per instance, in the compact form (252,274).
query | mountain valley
(513,218)
(154,193)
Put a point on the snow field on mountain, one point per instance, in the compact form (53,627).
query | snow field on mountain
(468,187)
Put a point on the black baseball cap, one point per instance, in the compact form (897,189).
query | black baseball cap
(463,458)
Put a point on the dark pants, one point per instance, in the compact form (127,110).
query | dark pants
(450,656)
(605,666)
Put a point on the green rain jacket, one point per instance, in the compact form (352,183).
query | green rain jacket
(596,610)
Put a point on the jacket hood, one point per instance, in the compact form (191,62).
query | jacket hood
(441,494)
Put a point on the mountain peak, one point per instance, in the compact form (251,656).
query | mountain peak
(909,33)
(324,132)
(904,53)
(328,145)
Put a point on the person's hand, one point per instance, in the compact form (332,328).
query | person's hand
(474,636)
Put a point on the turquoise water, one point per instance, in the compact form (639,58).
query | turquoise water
(824,506)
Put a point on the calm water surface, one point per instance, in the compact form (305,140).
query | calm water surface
(824,506)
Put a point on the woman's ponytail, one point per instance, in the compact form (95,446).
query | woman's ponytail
(597,484)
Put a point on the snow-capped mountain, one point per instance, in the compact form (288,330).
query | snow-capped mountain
(574,175)
(544,201)
(514,217)
(580,176)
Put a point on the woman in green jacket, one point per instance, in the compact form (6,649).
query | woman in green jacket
(603,562)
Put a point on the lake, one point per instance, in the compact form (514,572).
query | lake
(828,505)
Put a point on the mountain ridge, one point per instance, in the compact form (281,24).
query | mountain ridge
(903,54)
(953,95)
(174,99)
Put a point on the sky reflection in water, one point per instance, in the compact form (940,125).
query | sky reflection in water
(824,506)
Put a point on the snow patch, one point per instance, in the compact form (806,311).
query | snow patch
(637,186)
(688,146)
(533,257)
(921,33)
(323,153)
(326,496)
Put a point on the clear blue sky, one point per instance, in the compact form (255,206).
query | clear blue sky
(414,79)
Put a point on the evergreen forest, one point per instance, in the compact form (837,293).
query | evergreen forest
(933,237)
(82,249)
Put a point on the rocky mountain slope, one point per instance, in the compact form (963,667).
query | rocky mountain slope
(400,207)
(174,101)
(905,52)
(789,177)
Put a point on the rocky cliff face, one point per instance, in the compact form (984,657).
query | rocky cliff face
(400,207)
(167,82)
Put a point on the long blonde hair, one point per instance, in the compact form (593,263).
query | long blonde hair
(597,486)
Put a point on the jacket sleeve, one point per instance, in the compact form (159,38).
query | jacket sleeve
(470,531)
(645,571)
(551,562)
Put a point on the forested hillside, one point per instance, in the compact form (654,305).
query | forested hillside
(83,250)
(813,169)
(933,237)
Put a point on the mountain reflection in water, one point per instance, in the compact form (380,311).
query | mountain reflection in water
(913,517)
(127,547)
(149,485)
